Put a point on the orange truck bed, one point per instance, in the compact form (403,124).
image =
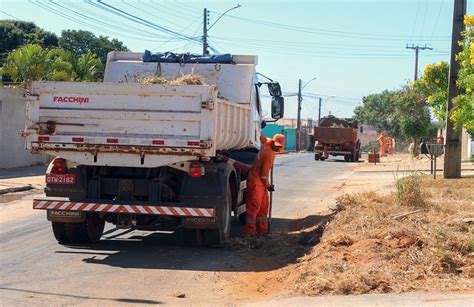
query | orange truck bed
(333,135)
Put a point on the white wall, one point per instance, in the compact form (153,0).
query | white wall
(12,121)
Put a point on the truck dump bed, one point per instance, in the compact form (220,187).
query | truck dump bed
(140,125)
(333,135)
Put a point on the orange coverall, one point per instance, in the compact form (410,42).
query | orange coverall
(257,195)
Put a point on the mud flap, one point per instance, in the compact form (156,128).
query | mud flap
(65,216)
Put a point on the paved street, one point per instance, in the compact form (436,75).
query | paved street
(142,267)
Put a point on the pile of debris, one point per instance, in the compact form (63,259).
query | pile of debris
(421,237)
(190,79)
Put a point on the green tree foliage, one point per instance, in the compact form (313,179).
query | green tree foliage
(87,67)
(463,113)
(412,113)
(402,114)
(377,110)
(14,34)
(81,42)
(33,62)
(433,84)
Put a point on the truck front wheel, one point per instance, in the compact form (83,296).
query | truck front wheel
(215,237)
(88,231)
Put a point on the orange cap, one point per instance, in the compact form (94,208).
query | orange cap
(279,140)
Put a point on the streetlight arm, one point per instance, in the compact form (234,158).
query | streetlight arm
(235,7)
(308,83)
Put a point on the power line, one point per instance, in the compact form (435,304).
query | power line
(416,20)
(424,19)
(10,15)
(112,9)
(70,17)
(299,47)
(332,33)
(126,29)
(437,19)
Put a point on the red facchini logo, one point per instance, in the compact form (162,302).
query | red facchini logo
(66,99)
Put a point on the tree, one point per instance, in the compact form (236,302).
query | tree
(463,112)
(376,110)
(32,62)
(87,67)
(14,34)
(413,115)
(433,84)
(81,42)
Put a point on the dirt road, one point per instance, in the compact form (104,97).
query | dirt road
(149,268)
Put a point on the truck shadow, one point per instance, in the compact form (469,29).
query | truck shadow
(290,239)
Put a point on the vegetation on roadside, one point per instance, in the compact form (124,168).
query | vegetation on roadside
(433,84)
(32,62)
(412,240)
(30,53)
(429,93)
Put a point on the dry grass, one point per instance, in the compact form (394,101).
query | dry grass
(190,79)
(365,249)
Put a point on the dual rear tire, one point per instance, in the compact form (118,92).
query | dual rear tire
(211,237)
(88,231)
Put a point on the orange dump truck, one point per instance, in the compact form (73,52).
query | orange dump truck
(337,137)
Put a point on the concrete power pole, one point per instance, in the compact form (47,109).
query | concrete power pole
(319,111)
(298,120)
(417,52)
(204,35)
(452,155)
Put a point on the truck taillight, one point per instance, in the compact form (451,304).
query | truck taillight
(196,170)
(59,165)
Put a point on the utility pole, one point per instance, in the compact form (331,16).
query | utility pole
(417,52)
(319,111)
(204,35)
(452,154)
(298,120)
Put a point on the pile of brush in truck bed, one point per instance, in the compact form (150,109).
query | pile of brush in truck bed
(190,79)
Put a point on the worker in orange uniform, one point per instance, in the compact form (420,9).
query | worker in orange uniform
(258,186)
(383,145)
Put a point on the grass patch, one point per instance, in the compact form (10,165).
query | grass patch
(415,239)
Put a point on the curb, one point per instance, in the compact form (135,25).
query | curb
(406,171)
(16,189)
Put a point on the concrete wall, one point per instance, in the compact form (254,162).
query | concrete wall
(12,121)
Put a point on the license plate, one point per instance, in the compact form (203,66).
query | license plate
(61,178)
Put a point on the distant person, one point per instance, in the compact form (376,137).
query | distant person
(258,186)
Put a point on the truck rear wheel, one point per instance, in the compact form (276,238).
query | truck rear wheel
(214,237)
(88,231)
(347,158)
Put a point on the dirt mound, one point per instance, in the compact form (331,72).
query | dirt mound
(415,239)
(190,79)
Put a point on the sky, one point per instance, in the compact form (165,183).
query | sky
(342,50)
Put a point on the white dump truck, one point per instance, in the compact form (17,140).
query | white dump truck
(149,156)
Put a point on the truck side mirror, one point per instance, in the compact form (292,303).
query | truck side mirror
(274,89)
(278,104)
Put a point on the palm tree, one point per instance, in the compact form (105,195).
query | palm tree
(88,67)
(26,63)
(32,62)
